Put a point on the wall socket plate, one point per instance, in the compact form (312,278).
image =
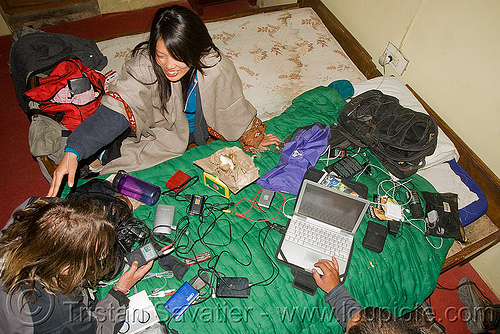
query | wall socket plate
(397,61)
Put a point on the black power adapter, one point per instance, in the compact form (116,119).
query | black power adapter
(232,287)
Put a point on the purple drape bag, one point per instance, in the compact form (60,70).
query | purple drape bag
(298,155)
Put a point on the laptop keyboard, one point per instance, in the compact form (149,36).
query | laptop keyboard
(319,239)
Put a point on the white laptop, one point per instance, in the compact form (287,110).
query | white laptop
(322,226)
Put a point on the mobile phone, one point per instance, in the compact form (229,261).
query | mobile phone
(79,85)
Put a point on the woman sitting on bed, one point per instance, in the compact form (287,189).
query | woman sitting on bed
(177,89)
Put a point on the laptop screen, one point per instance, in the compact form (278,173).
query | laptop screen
(330,206)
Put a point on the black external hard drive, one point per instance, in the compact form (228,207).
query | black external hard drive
(375,236)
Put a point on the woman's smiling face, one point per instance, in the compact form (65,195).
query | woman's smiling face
(173,69)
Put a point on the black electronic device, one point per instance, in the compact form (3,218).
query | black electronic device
(346,167)
(79,85)
(375,236)
(196,205)
(313,174)
(232,287)
(393,227)
(130,232)
(199,281)
(142,254)
(304,281)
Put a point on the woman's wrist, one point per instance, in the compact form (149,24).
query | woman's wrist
(125,291)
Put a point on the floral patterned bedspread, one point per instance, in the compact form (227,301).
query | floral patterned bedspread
(278,55)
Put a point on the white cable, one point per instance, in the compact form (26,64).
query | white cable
(328,155)
(409,221)
(283,209)
(355,154)
(383,76)
(388,174)
(162,274)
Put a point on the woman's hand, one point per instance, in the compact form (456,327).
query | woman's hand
(68,165)
(269,139)
(330,276)
(133,275)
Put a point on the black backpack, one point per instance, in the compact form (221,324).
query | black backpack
(399,137)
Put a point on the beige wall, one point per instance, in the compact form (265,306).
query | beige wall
(452,52)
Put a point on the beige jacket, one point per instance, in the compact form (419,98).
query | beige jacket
(160,136)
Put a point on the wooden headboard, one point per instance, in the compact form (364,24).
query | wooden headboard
(470,162)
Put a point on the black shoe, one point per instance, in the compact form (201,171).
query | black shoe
(480,315)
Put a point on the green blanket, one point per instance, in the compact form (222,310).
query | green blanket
(399,278)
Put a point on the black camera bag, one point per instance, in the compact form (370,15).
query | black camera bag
(399,137)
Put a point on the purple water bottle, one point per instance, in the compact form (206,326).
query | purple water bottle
(136,188)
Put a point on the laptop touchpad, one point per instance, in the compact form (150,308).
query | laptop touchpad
(313,257)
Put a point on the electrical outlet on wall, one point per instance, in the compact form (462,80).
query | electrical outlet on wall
(394,58)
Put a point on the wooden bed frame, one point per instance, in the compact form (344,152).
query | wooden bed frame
(482,233)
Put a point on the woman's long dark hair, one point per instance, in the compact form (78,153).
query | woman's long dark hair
(187,40)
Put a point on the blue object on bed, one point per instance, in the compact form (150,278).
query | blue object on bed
(476,209)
